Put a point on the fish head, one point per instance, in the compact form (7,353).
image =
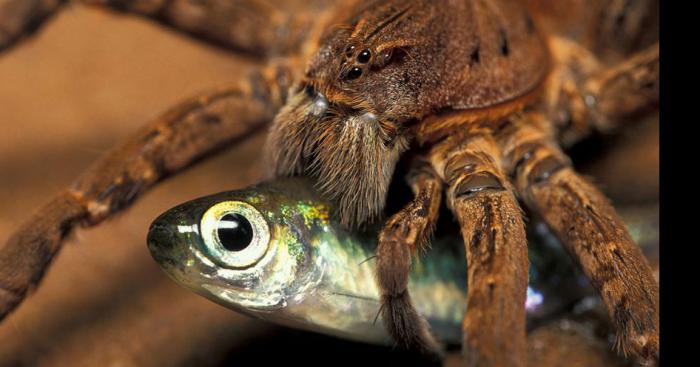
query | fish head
(251,250)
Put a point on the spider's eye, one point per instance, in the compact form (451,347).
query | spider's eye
(384,58)
(364,56)
(349,50)
(353,73)
(235,234)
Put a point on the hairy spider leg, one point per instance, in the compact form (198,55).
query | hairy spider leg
(188,132)
(481,197)
(583,219)
(401,237)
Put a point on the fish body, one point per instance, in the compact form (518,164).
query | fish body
(275,252)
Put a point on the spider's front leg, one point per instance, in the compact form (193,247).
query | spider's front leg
(583,219)
(479,195)
(256,27)
(403,235)
(249,26)
(186,133)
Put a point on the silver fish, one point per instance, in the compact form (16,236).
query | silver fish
(273,251)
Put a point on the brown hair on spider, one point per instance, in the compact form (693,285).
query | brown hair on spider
(346,123)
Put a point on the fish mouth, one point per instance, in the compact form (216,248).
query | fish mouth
(174,243)
(161,241)
(238,297)
(241,299)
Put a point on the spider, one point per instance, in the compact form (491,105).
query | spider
(475,98)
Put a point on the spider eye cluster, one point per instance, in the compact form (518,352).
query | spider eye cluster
(357,61)
(234,234)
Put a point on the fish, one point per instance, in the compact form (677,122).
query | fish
(275,251)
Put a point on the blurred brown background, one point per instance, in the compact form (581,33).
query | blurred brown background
(82,83)
(85,81)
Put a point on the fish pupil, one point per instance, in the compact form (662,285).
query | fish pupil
(235,232)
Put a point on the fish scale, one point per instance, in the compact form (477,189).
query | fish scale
(315,275)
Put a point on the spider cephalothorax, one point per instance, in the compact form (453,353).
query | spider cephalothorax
(477,96)
(383,68)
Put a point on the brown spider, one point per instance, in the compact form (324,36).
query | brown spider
(477,96)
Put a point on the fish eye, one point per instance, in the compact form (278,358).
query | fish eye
(235,234)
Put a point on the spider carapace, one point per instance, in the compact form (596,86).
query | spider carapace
(377,74)
(475,97)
